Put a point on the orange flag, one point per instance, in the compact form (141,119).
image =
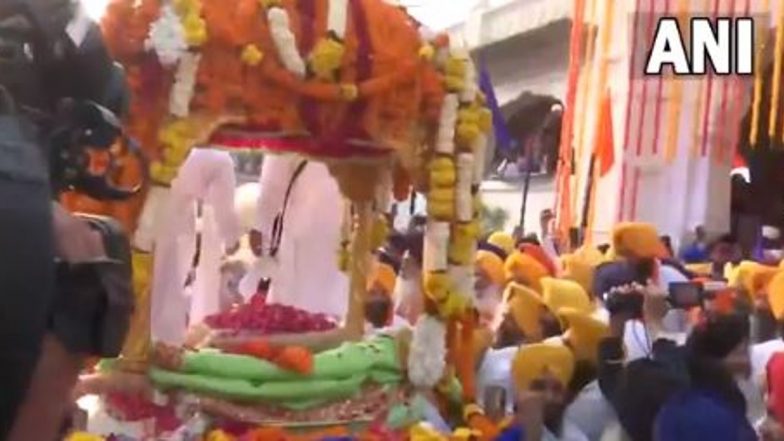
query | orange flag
(604,144)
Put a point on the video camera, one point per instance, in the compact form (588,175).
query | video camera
(58,105)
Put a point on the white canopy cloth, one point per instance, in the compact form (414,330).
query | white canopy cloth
(206,176)
(306,273)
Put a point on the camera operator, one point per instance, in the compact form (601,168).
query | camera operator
(48,51)
(713,356)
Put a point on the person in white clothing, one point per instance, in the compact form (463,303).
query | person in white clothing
(206,176)
(300,257)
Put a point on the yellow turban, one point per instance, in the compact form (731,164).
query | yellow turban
(559,293)
(525,306)
(503,241)
(383,277)
(522,268)
(700,269)
(752,277)
(491,265)
(637,240)
(534,361)
(584,333)
(580,266)
(776,295)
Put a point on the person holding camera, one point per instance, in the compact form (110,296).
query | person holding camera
(713,356)
(49,52)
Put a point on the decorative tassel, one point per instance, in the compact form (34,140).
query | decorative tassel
(676,100)
(629,106)
(585,89)
(722,147)
(650,29)
(706,117)
(565,168)
(737,111)
(659,93)
(605,40)
(756,108)
(778,65)
(698,109)
(641,126)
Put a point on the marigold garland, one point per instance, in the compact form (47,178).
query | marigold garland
(778,67)
(239,70)
(756,108)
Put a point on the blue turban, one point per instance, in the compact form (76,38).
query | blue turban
(699,416)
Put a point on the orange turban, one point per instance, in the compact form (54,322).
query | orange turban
(503,241)
(383,277)
(637,240)
(525,269)
(491,265)
(540,255)
(525,306)
(534,361)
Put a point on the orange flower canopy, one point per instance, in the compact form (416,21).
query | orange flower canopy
(363,94)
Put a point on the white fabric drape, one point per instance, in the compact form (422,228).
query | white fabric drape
(306,274)
(207,176)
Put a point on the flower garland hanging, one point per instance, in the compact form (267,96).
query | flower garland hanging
(326,57)
(184,86)
(193,23)
(427,356)
(167,37)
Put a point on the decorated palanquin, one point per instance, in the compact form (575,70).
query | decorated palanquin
(357,84)
(340,80)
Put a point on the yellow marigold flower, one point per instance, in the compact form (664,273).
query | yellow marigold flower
(467,133)
(252,55)
(454,83)
(472,409)
(456,67)
(219,435)
(268,4)
(465,434)
(454,306)
(349,92)
(379,232)
(425,432)
(427,52)
(437,286)
(344,259)
(485,119)
(175,156)
(325,58)
(82,436)
(195,29)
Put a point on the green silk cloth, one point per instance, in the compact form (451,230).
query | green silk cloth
(337,374)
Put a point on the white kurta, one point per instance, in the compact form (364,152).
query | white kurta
(207,176)
(306,274)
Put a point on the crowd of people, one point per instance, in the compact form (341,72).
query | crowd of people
(625,340)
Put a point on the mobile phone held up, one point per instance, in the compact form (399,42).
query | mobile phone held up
(686,295)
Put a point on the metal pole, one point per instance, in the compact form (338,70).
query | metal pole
(526,183)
